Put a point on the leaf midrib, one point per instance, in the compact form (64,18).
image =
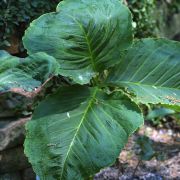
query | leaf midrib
(87,41)
(78,128)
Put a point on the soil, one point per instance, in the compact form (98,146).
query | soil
(165,142)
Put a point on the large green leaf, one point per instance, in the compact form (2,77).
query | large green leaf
(25,74)
(79,130)
(151,71)
(85,36)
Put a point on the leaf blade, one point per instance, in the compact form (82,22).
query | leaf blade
(150,71)
(25,74)
(88,149)
(84,36)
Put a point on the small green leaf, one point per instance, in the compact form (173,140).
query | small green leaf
(78,130)
(25,74)
(159,113)
(147,151)
(85,37)
(151,71)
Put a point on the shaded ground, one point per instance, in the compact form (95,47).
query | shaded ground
(165,142)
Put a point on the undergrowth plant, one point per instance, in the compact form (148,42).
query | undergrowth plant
(15,16)
(144,17)
(83,126)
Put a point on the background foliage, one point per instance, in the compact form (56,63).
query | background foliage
(143,16)
(154,18)
(150,17)
(16,15)
(168,15)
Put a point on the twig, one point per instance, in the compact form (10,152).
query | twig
(134,172)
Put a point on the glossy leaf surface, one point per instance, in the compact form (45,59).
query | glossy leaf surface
(85,36)
(25,74)
(151,71)
(77,131)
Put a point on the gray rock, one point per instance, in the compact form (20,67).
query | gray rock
(12,160)
(12,133)
(11,176)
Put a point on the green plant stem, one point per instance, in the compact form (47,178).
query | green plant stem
(95,81)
